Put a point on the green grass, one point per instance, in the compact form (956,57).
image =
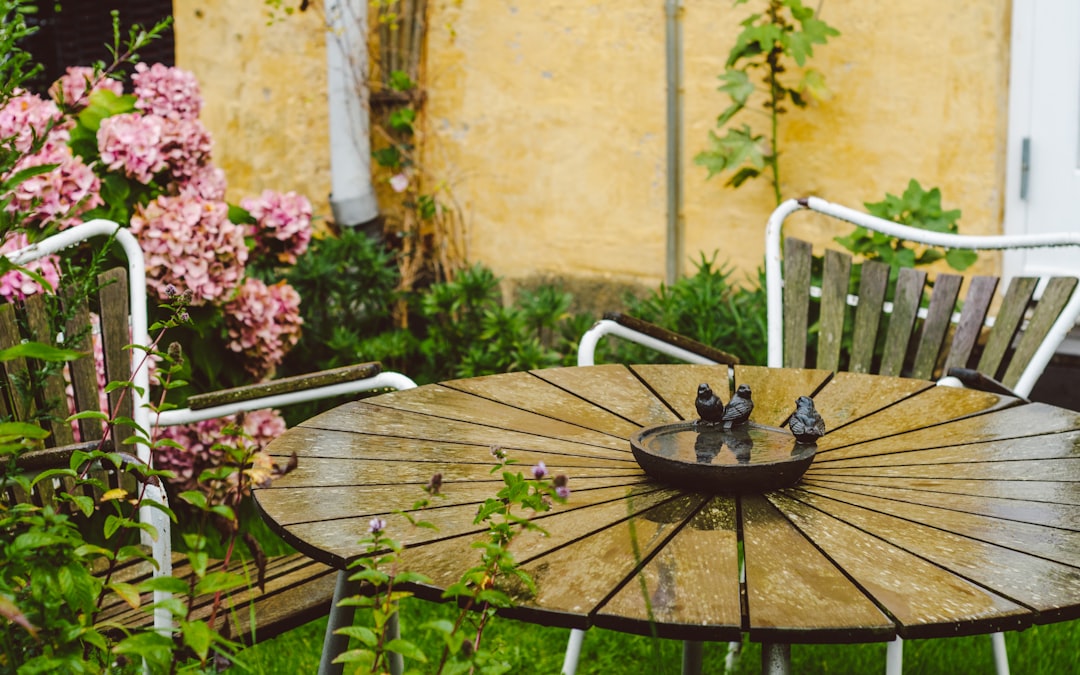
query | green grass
(1048,650)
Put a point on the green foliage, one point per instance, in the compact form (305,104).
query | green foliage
(492,584)
(471,332)
(769,41)
(916,207)
(707,306)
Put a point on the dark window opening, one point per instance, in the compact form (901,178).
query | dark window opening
(76,32)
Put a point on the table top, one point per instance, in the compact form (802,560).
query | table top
(927,512)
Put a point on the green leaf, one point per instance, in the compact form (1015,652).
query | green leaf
(197,636)
(739,146)
(737,85)
(39,351)
(362,633)
(406,649)
(960,259)
(164,584)
(195,498)
(813,84)
(127,592)
(219,581)
(155,648)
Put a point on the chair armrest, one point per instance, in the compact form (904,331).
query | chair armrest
(650,335)
(285,385)
(973,379)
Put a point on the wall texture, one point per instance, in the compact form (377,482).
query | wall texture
(265,94)
(547,119)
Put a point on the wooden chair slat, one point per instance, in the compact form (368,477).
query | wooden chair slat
(1054,298)
(9,337)
(972,318)
(797,260)
(84,383)
(54,389)
(1013,308)
(872,287)
(936,326)
(834,289)
(285,385)
(906,301)
(115,336)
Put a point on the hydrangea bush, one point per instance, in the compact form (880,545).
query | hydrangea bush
(143,158)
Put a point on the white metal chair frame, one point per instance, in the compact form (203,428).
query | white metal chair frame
(774,314)
(161,547)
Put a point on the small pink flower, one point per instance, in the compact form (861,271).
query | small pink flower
(283,224)
(168,92)
(16,285)
(132,143)
(399,182)
(263,324)
(376,525)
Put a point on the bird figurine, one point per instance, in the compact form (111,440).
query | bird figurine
(738,408)
(709,407)
(805,423)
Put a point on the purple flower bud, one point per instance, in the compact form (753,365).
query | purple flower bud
(376,525)
(434,485)
(563,492)
(170,290)
(539,471)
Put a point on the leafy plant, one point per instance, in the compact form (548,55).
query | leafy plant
(916,207)
(706,306)
(482,590)
(471,332)
(769,41)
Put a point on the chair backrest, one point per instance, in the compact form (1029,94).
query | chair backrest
(902,325)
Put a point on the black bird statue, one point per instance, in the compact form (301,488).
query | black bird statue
(709,407)
(738,408)
(806,424)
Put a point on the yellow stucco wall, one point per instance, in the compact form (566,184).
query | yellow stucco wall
(548,120)
(265,94)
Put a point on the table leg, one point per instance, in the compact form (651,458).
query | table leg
(691,658)
(775,658)
(573,651)
(343,616)
(894,657)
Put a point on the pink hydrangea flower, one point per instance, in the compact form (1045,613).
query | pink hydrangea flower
(16,285)
(168,92)
(263,324)
(283,227)
(59,196)
(27,116)
(185,144)
(132,143)
(71,88)
(191,244)
(206,182)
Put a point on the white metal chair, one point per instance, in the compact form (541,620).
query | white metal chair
(338,382)
(1018,350)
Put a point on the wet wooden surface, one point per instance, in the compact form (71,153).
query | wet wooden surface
(927,512)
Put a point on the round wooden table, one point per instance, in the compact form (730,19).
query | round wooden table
(927,512)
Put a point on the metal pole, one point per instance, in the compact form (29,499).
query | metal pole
(673,43)
(775,658)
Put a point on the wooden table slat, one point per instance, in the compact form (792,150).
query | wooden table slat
(794,593)
(1051,589)
(618,390)
(925,599)
(690,590)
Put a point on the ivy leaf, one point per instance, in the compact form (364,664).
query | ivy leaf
(813,85)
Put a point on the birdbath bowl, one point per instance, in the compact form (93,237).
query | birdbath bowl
(707,458)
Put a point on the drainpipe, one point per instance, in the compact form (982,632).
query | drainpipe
(673,44)
(352,196)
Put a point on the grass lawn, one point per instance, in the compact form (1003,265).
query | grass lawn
(1049,650)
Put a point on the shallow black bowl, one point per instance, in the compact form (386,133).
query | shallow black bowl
(751,458)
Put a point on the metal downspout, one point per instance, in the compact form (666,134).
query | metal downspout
(673,44)
(352,196)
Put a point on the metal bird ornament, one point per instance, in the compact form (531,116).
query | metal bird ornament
(738,408)
(709,407)
(805,423)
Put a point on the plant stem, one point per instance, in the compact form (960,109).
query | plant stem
(773,61)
